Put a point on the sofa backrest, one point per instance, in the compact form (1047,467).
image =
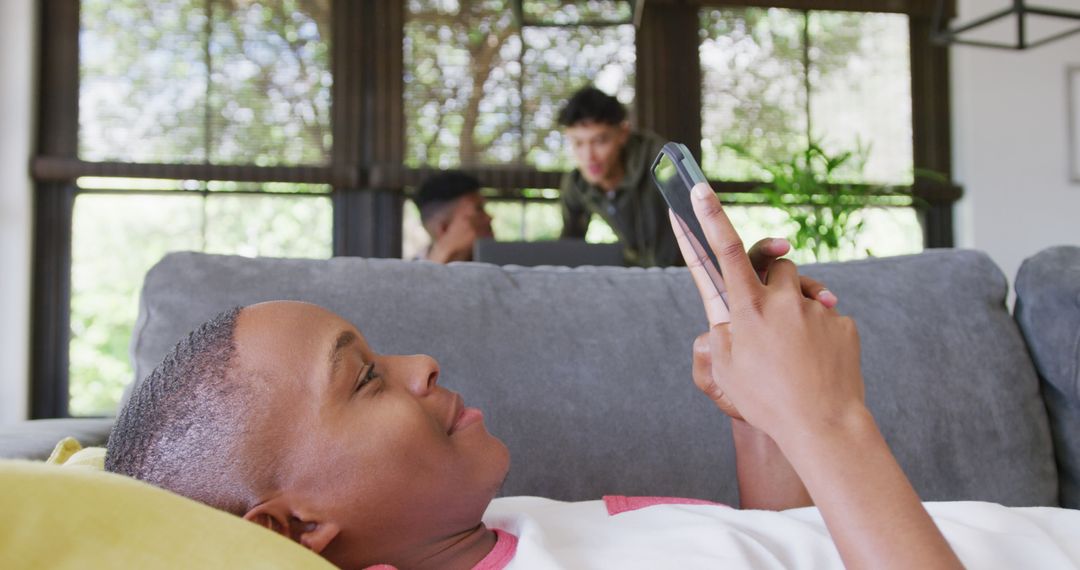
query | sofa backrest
(1048,310)
(585,373)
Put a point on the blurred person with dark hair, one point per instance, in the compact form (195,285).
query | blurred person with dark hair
(452,211)
(612,179)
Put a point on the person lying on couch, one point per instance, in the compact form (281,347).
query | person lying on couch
(282,414)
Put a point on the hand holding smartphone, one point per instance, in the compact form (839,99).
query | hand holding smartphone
(676,172)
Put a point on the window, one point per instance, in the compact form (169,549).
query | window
(198,82)
(480,89)
(298,127)
(118,236)
(215,81)
(775,80)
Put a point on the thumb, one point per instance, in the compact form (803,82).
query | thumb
(702,369)
(719,340)
(719,337)
(708,347)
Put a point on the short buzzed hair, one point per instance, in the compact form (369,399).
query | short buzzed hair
(181,428)
(439,190)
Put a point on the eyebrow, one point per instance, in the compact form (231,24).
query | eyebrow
(344,338)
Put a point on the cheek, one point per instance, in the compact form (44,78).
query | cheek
(424,472)
(405,433)
(396,469)
(608,152)
(388,441)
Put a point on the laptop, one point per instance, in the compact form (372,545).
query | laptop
(566,252)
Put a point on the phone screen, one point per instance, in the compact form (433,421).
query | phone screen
(675,172)
(665,172)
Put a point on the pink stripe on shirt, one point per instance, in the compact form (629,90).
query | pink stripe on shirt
(621,504)
(497,559)
(502,554)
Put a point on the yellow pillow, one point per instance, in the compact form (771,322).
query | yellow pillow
(81,518)
(70,453)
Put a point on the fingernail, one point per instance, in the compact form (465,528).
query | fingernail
(701,191)
(826,296)
(780,241)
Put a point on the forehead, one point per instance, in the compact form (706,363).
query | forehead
(288,337)
(590,129)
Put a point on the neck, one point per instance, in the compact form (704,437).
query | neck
(612,180)
(461,551)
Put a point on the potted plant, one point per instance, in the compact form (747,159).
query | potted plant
(814,189)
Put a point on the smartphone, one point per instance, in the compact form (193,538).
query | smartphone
(675,172)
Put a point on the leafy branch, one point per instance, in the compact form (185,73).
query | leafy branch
(812,187)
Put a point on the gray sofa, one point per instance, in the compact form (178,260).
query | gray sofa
(585,373)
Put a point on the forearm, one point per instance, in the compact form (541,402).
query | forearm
(873,514)
(443,253)
(767,480)
(575,225)
(574,214)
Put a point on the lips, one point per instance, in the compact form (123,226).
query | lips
(461,416)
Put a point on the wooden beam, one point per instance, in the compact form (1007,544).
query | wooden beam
(58,127)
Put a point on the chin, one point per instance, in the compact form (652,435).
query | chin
(500,466)
(498,486)
(503,459)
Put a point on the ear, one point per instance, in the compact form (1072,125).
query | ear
(438,223)
(443,223)
(432,228)
(279,516)
(624,131)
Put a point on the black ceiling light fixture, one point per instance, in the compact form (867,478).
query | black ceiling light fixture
(567,13)
(1017,27)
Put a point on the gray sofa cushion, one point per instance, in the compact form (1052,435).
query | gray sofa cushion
(585,373)
(1048,310)
(36,439)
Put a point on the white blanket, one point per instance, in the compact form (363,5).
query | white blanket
(553,534)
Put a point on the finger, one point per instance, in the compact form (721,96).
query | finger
(766,251)
(814,289)
(763,253)
(704,376)
(702,370)
(716,309)
(784,273)
(739,275)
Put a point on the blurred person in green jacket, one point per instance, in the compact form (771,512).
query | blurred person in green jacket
(612,179)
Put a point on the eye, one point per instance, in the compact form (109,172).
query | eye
(367,374)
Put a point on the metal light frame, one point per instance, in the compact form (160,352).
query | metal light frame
(943,34)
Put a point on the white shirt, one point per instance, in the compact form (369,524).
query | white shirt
(554,534)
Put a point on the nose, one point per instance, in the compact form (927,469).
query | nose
(419,373)
(581,152)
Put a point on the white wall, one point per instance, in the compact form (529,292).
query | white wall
(17,25)
(1010,140)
